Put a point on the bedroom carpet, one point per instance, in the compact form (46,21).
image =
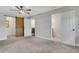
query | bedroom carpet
(34,45)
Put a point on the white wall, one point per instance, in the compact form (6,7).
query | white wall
(2,28)
(12,25)
(4,32)
(43,26)
(27,27)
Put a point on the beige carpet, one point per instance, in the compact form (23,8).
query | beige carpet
(34,45)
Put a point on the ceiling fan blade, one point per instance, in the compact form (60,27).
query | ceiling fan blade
(17,7)
(27,12)
(28,9)
(21,7)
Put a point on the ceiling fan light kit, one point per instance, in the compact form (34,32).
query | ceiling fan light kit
(23,10)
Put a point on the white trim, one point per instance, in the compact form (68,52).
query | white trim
(77,45)
(51,28)
(3,38)
(43,37)
(58,41)
(67,43)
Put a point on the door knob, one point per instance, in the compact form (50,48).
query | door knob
(73,29)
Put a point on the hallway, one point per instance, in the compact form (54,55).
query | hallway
(34,45)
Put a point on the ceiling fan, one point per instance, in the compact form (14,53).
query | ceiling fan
(22,10)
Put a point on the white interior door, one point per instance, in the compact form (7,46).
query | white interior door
(68,27)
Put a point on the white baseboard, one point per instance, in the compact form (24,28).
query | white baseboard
(43,37)
(59,41)
(3,39)
(27,35)
(77,45)
(68,43)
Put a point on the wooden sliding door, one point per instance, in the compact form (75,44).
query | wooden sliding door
(19,26)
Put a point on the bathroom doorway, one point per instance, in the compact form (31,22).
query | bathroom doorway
(33,27)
